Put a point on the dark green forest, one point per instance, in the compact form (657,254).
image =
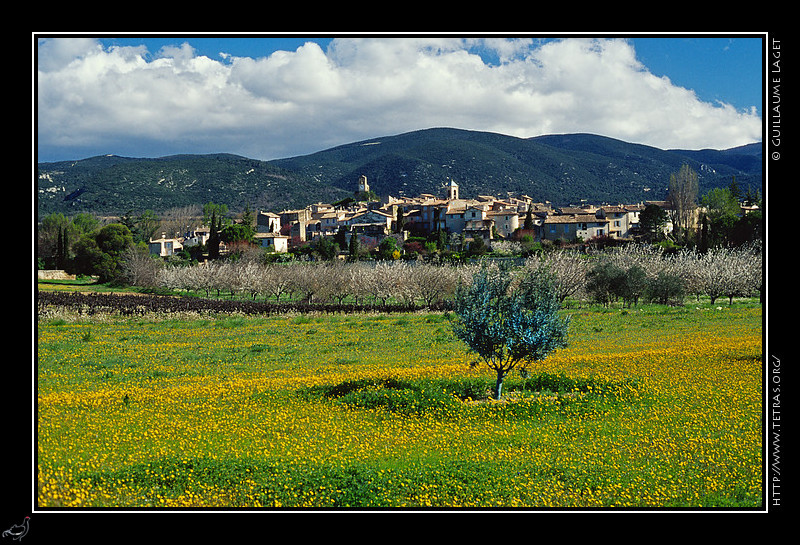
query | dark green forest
(562,169)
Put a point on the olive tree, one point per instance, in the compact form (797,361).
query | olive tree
(509,324)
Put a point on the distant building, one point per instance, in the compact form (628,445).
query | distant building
(568,227)
(273,241)
(506,221)
(164,247)
(198,237)
(267,222)
(484,216)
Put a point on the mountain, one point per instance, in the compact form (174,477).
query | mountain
(563,169)
(113,185)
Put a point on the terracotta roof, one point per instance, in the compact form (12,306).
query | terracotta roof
(506,212)
(576,218)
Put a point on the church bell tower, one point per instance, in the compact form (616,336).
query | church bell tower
(452,191)
(363,186)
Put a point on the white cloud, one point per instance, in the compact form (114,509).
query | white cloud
(305,76)
(295,102)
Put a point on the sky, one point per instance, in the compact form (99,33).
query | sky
(271,96)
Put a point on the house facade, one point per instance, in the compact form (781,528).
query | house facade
(570,227)
(267,222)
(164,247)
(274,242)
(505,221)
(623,220)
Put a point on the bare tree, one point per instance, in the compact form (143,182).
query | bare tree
(568,268)
(753,277)
(358,276)
(218,276)
(432,283)
(176,221)
(139,268)
(250,275)
(338,286)
(277,280)
(308,279)
(506,247)
(682,198)
(389,280)
(687,266)
(721,272)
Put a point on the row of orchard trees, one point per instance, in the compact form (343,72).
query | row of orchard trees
(377,283)
(635,272)
(629,273)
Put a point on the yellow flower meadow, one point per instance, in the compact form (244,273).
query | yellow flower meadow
(220,412)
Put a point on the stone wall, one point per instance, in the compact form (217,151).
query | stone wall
(54,274)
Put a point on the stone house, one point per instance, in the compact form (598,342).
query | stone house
(622,219)
(273,241)
(454,219)
(505,221)
(569,227)
(164,247)
(267,222)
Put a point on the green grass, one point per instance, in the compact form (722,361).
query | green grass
(647,407)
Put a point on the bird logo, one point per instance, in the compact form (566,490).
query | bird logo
(18,531)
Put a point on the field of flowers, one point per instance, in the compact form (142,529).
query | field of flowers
(646,408)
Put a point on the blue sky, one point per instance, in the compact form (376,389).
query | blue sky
(726,69)
(280,96)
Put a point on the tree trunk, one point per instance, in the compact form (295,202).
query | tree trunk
(498,387)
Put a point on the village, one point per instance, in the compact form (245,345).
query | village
(486,217)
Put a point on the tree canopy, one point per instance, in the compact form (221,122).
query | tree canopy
(509,323)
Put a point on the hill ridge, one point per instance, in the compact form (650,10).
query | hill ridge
(563,169)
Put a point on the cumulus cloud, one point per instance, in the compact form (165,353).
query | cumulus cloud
(131,101)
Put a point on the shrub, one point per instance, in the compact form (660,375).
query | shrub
(634,285)
(666,289)
(604,282)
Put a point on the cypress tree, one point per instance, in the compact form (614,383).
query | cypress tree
(354,246)
(61,247)
(213,238)
(400,221)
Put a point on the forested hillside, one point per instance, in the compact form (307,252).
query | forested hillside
(563,169)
